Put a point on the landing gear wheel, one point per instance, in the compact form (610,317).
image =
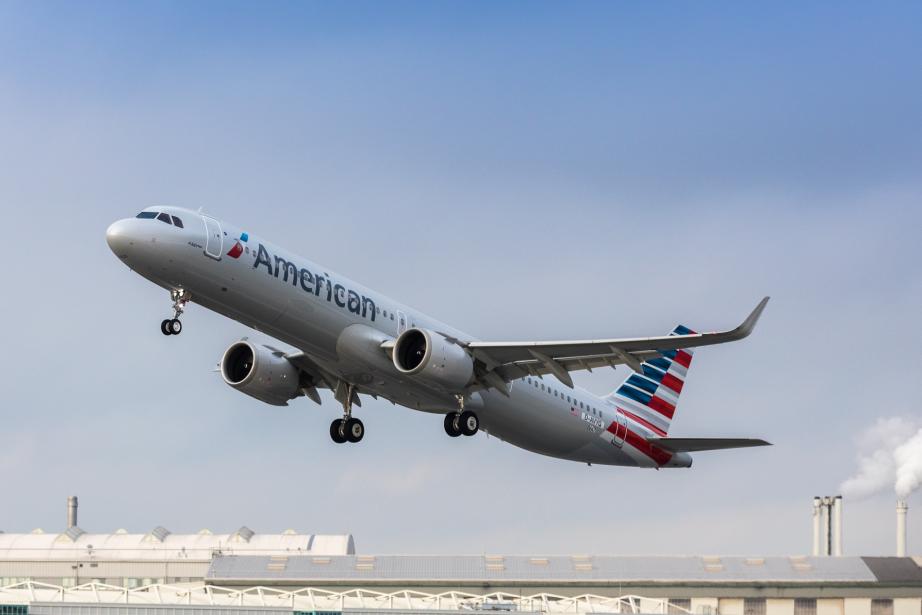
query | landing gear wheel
(469,423)
(336,431)
(173,326)
(452,428)
(355,430)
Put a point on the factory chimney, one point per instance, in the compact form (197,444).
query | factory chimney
(71,511)
(837,526)
(901,508)
(817,513)
(827,526)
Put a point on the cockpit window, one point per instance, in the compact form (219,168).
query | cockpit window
(164,218)
(177,222)
(147,214)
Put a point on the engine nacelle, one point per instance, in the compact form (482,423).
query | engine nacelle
(261,373)
(429,356)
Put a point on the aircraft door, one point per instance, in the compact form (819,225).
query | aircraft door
(620,431)
(214,238)
(401,322)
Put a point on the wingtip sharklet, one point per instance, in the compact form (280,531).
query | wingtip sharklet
(750,323)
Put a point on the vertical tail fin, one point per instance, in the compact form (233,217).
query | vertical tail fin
(650,398)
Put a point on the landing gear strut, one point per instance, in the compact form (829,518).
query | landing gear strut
(462,422)
(173,326)
(347,429)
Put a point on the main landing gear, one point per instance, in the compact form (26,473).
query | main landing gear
(173,326)
(461,423)
(347,429)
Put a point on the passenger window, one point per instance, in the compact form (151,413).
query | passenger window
(147,214)
(164,218)
(177,222)
(392,316)
(385,313)
(542,387)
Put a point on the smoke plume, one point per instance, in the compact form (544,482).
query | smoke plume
(890,457)
(908,457)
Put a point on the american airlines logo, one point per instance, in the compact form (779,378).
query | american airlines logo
(237,249)
(316,284)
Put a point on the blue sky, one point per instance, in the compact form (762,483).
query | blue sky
(520,170)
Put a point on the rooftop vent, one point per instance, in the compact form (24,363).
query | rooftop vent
(158,534)
(72,534)
(712,563)
(243,534)
(71,511)
(714,567)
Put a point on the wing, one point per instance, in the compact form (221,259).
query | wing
(691,445)
(317,376)
(505,361)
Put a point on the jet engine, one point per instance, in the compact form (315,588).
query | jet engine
(432,358)
(260,372)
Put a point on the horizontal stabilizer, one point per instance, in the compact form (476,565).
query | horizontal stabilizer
(693,445)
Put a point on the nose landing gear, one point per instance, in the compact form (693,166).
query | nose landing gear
(347,429)
(173,326)
(461,423)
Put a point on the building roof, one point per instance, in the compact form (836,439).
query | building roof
(313,599)
(895,569)
(559,569)
(161,544)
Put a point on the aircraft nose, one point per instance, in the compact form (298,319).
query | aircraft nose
(119,238)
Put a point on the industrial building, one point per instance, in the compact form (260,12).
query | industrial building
(247,573)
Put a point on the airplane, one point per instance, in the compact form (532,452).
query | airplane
(353,340)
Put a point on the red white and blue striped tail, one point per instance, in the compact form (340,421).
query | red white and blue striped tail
(650,398)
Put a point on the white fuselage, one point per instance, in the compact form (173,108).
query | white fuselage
(313,309)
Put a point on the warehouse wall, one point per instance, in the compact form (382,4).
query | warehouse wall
(121,573)
(825,606)
(54,608)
